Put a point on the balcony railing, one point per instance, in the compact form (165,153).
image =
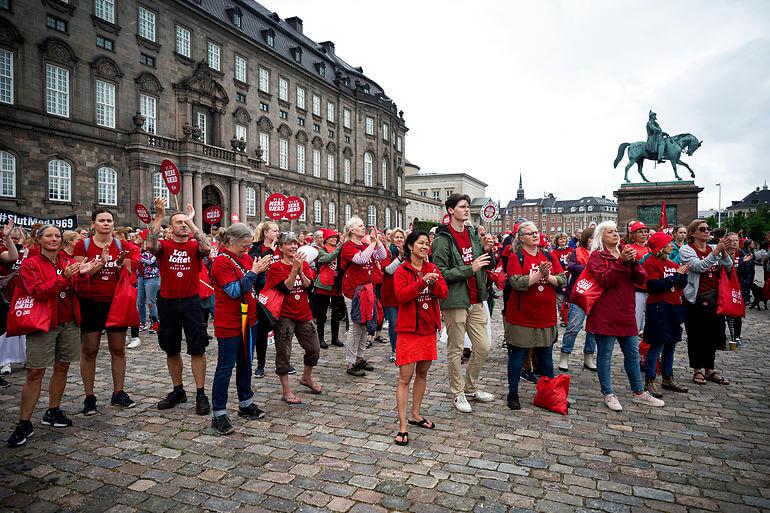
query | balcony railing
(165,143)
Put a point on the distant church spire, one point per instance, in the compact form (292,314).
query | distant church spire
(520,191)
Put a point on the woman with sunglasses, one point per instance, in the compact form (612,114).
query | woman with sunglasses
(705,329)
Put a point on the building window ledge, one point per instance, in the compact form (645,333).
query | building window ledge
(67,8)
(105,25)
(301,110)
(241,85)
(184,59)
(18,201)
(263,94)
(65,203)
(285,104)
(150,45)
(218,74)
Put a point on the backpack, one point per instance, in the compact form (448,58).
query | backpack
(87,243)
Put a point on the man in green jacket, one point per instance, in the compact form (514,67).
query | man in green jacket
(461,257)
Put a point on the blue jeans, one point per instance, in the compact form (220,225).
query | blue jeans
(391,313)
(231,354)
(147,291)
(516,357)
(630,348)
(575,320)
(666,362)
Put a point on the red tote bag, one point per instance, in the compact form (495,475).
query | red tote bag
(272,299)
(27,314)
(586,291)
(729,295)
(552,393)
(123,311)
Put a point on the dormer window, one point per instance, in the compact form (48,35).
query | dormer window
(296,54)
(236,16)
(321,68)
(366,88)
(269,36)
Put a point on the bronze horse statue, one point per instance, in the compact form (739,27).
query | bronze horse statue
(674,146)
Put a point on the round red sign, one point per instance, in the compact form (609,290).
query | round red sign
(143,213)
(213,214)
(171,176)
(275,206)
(446,219)
(489,212)
(294,208)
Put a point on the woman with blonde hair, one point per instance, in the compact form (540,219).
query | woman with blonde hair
(265,243)
(69,239)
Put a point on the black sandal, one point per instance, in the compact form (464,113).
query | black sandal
(404,438)
(423,423)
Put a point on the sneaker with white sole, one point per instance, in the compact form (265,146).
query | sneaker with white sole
(564,362)
(612,402)
(646,398)
(5,369)
(133,343)
(481,396)
(462,404)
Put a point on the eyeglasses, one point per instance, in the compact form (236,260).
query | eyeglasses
(530,234)
(704,229)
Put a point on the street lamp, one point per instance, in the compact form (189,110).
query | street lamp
(719,207)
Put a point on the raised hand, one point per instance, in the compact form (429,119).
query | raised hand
(299,259)
(7,227)
(682,269)
(480,262)
(160,206)
(628,254)
(71,269)
(262,264)
(190,210)
(431,278)
(373,234)
(122,256)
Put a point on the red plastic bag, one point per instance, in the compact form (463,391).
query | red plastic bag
(552,393)
(643,348)
(586,291)
(729,295)
(123,311)
(564,311)
(27,314)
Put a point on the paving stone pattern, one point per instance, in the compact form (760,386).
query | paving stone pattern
(705,451)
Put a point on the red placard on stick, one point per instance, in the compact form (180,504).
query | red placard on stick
(294,208)
(446,219)
(213,214)
(275,206)
(235,217)
(143,213)
(171,176)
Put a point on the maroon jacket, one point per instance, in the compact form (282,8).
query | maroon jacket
(412,290)
(614,312)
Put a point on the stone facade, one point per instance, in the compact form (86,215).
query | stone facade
(137,52)
(643,201)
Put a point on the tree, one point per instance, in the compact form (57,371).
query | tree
(754,225)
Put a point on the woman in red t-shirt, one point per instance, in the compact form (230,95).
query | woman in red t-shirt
(326,288)
(292,276)
(530,318)
(418,287)
(561,250)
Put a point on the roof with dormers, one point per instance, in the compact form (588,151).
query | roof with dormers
(753,200)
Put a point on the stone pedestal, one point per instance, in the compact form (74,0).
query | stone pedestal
(642,201)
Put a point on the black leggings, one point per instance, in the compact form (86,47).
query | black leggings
(705,334)
(322,304)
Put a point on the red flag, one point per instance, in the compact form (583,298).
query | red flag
(663,219)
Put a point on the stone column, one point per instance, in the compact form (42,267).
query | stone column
(242,196)
(198,198)
(234,199)
(187,189)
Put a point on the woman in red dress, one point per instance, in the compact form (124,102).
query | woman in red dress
(419,286)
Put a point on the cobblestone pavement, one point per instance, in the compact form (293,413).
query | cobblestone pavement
(705,451)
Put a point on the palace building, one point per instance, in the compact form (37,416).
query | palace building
(95,94)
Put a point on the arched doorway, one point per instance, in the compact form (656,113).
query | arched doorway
(210,196)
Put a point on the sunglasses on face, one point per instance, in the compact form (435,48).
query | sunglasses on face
(704,229)
(529,234)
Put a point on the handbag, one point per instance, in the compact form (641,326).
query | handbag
(552,393)
(586,291)
(27,314)
(729,295)
(272,301)
(123,311)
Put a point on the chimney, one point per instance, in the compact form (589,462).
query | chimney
(328,46)
(295,23)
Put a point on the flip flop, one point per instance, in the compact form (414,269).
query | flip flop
(293,400)
(314,391)
(423,423)
(717,378)
(404,438)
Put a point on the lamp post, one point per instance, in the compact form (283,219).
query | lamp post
(719,207)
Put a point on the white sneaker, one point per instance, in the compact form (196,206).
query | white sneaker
(481,396)
(134,343)
(5,369)
(462,404)
(612,402)
(589,361)
(646,398)
(564,362)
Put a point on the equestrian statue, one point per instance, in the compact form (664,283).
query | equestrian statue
(659,147)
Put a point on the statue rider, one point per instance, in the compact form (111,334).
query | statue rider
(656,143)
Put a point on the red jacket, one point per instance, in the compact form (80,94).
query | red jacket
(614,312)
(388,291)
(411,291)
(46,282)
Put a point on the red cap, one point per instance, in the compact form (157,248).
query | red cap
(516,228)
(658,241)
(543,240)
(309,239)
(143,233)
(328,233)
(635,227)
(507,232)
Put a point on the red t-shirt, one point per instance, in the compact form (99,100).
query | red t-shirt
(658,269)
(296,305)
(355,275)
(562,255)
(535,308)
(377,272)
(227,321)
(66,308)
(102,285)
(463,240)
(709,279)
(180,266)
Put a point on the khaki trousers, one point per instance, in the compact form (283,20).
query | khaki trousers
(458,321)
(355,342)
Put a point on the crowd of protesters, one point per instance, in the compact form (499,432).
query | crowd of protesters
(63,291)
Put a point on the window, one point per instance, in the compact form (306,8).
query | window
(183,41)
(330,114)
(59,174)
(107,44)
(105,104)
(6,76)
(347,139)
(7,174)
(322,69)
(346,118)
(317,163)
(332,214)
(398,143)
(269,36)
(5,5)
(264,107)
(108,186)
(436,195)
(201,119)
(214,53)
(283,114)
(387,217)
(369,126)
(159,189)
(330,133)
(317,212)
(368,169)
(296,52)
(241,132)
(346,170)
(301,121)
(283,153)
(301,159)
(316,105)
(448,193)
(398,188)
(240,97)
(57,90)
(330,167)
(251,201)
(316,128)
(384,173)
(148,109)
(264,141)
(147,60)
(303,217)
(283,89)
(399,219)
(237,17)
(371,216)
(146,24)
(348,212)
(105,9)
(301,98)
(55,23)
(264,79)
(385,131)
(240,68)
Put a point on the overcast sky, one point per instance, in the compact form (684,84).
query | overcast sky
(551,88)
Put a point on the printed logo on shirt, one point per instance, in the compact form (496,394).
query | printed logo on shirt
(467,254)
